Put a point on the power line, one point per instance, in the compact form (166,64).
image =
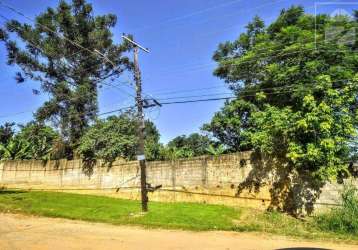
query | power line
(14,114)
(41,49)
(100,114)
(96,52)
(250,93)
(199,100)
(116,110)
(188,90)
(182,17)
(193,96)
(198,12)
(265,55)
(245,10)
(288,90)
(20,13)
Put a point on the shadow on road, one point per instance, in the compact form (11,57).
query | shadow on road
(303,248)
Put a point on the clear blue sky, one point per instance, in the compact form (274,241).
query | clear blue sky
(182,36)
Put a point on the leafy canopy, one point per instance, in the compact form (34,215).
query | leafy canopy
(33,141)
(296,107)
(189,146)
(116,137)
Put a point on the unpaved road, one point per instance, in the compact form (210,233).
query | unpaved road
(34,233)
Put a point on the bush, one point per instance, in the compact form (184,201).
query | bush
(345,218)
(116,137)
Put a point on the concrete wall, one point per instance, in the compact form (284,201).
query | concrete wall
(202,179)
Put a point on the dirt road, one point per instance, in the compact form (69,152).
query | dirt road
(33,233)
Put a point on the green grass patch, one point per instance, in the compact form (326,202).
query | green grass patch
(187,216)
(281,224)
(344,219)
(120,212)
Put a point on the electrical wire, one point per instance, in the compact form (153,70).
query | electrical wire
(55,63)
(193,96)
(265,55)
(63,37)
(159,93)
(250,93)
(198,12)
(235,63)
(198,100)
(41,49)
(13,9)
(240,95)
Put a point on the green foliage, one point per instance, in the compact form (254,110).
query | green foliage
(116,137)
(174,153)
(187,146)
(228,125)
(15,149)
(343,220)
(216,151)
(152,147)
(33,141)
(41,139)
(296,106)
(69,74)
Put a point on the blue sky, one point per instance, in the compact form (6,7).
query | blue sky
(182,36)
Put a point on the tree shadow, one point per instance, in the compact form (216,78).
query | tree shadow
(293,191)
(258,175)
(4,192)
(88,166)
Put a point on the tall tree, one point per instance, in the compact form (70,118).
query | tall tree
(60,51)
(297,96)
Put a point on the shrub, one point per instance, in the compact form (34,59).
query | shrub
(345,218)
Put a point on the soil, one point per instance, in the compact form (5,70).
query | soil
(19,232)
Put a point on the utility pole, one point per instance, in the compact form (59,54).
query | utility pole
(141,126)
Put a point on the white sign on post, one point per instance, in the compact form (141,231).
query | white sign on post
(140,157)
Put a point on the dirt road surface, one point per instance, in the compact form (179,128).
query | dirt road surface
(18,232)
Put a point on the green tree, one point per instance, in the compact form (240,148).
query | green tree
(117,137)
(152,146)
(173,153)
(42,140)
(228,126)
(296,105)
(15,149)
(59,52)
(189,146)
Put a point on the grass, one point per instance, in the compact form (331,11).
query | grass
(119,212)
(344,219)
(276,223)
(187,216)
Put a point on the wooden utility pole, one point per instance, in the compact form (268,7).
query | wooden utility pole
(141,124)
